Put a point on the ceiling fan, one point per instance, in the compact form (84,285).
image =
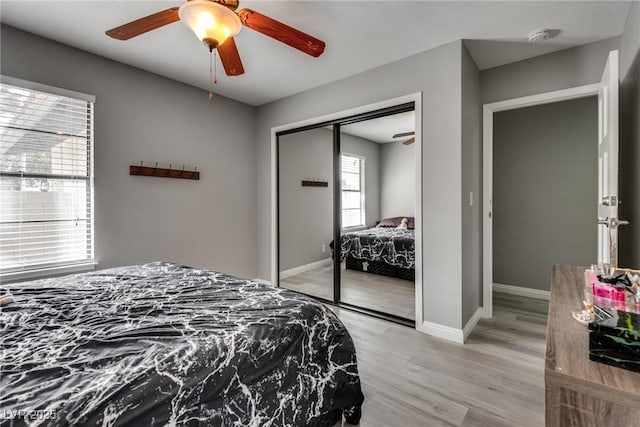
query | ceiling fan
(215,22)
(408,141)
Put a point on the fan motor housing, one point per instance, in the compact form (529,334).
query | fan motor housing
(231,4)
(211,43)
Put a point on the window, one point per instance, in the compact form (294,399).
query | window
(46,178)
(352,190)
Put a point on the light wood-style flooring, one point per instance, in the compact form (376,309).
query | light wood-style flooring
(372,291)
(495,379)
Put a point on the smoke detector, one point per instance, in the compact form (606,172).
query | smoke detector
(538,36)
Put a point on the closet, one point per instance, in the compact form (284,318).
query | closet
(345,212)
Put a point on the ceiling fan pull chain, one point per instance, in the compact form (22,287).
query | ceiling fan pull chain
(215,67)
(210,74)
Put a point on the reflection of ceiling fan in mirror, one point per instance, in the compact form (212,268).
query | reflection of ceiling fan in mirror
(215,22)
(408,141)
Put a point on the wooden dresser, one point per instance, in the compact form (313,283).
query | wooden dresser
(579,392)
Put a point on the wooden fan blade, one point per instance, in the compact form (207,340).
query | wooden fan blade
(409,141)
(398,135)
(281,32)
(143,25)
(230,58)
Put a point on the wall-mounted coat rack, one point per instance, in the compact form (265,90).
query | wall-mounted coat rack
(315,183)
(163,172)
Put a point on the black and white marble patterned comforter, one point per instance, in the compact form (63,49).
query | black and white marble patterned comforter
(389,245)
(162,344)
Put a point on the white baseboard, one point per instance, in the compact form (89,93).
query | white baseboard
(452,334)
(520,291)
(445,332)
(475,318)
(306,267)
(264,282)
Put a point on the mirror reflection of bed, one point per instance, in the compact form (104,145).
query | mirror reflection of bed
(377,190)
(378,209)
(378,267)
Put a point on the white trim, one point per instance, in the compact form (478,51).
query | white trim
(453,334)
(487,223)
(418,230)
(521,291)
(445,332)
(471,323)
(48,272)
(274,209)
(13,81)
(487,172)
(416,98)
(306,267)
(544,98)
(262,281)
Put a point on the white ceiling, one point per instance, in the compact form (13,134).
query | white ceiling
(382,129)
(360,35)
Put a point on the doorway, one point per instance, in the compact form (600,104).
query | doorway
(490,110)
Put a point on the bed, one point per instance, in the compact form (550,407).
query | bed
(164,344)
(383,249)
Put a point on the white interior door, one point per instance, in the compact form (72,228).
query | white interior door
(608,201)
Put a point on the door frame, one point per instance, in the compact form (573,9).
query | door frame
(487,171)
(416,98)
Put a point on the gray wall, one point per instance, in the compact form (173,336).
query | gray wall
(435,73)
(371,152)
(579,66)
(305,213)
(630,138)
(544,190)
(141,116)
(559,70)
(471,183)
(397,180)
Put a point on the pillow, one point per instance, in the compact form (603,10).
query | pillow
(395,221)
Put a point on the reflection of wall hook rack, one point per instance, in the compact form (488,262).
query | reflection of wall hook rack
(164,172)
(315,182)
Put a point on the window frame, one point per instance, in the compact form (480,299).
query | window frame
(362,176)
(63,267)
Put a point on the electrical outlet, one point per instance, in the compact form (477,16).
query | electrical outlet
(324,248)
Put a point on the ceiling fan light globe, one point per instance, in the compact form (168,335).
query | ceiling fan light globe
(211,22)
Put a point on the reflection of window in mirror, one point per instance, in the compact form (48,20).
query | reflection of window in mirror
(352,179)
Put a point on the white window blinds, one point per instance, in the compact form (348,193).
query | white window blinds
(46,180)
(352,190)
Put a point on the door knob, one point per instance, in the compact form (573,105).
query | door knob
(612,222)
(617,222)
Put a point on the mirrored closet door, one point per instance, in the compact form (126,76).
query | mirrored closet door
(305,212)
(346,208)
(377,214)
